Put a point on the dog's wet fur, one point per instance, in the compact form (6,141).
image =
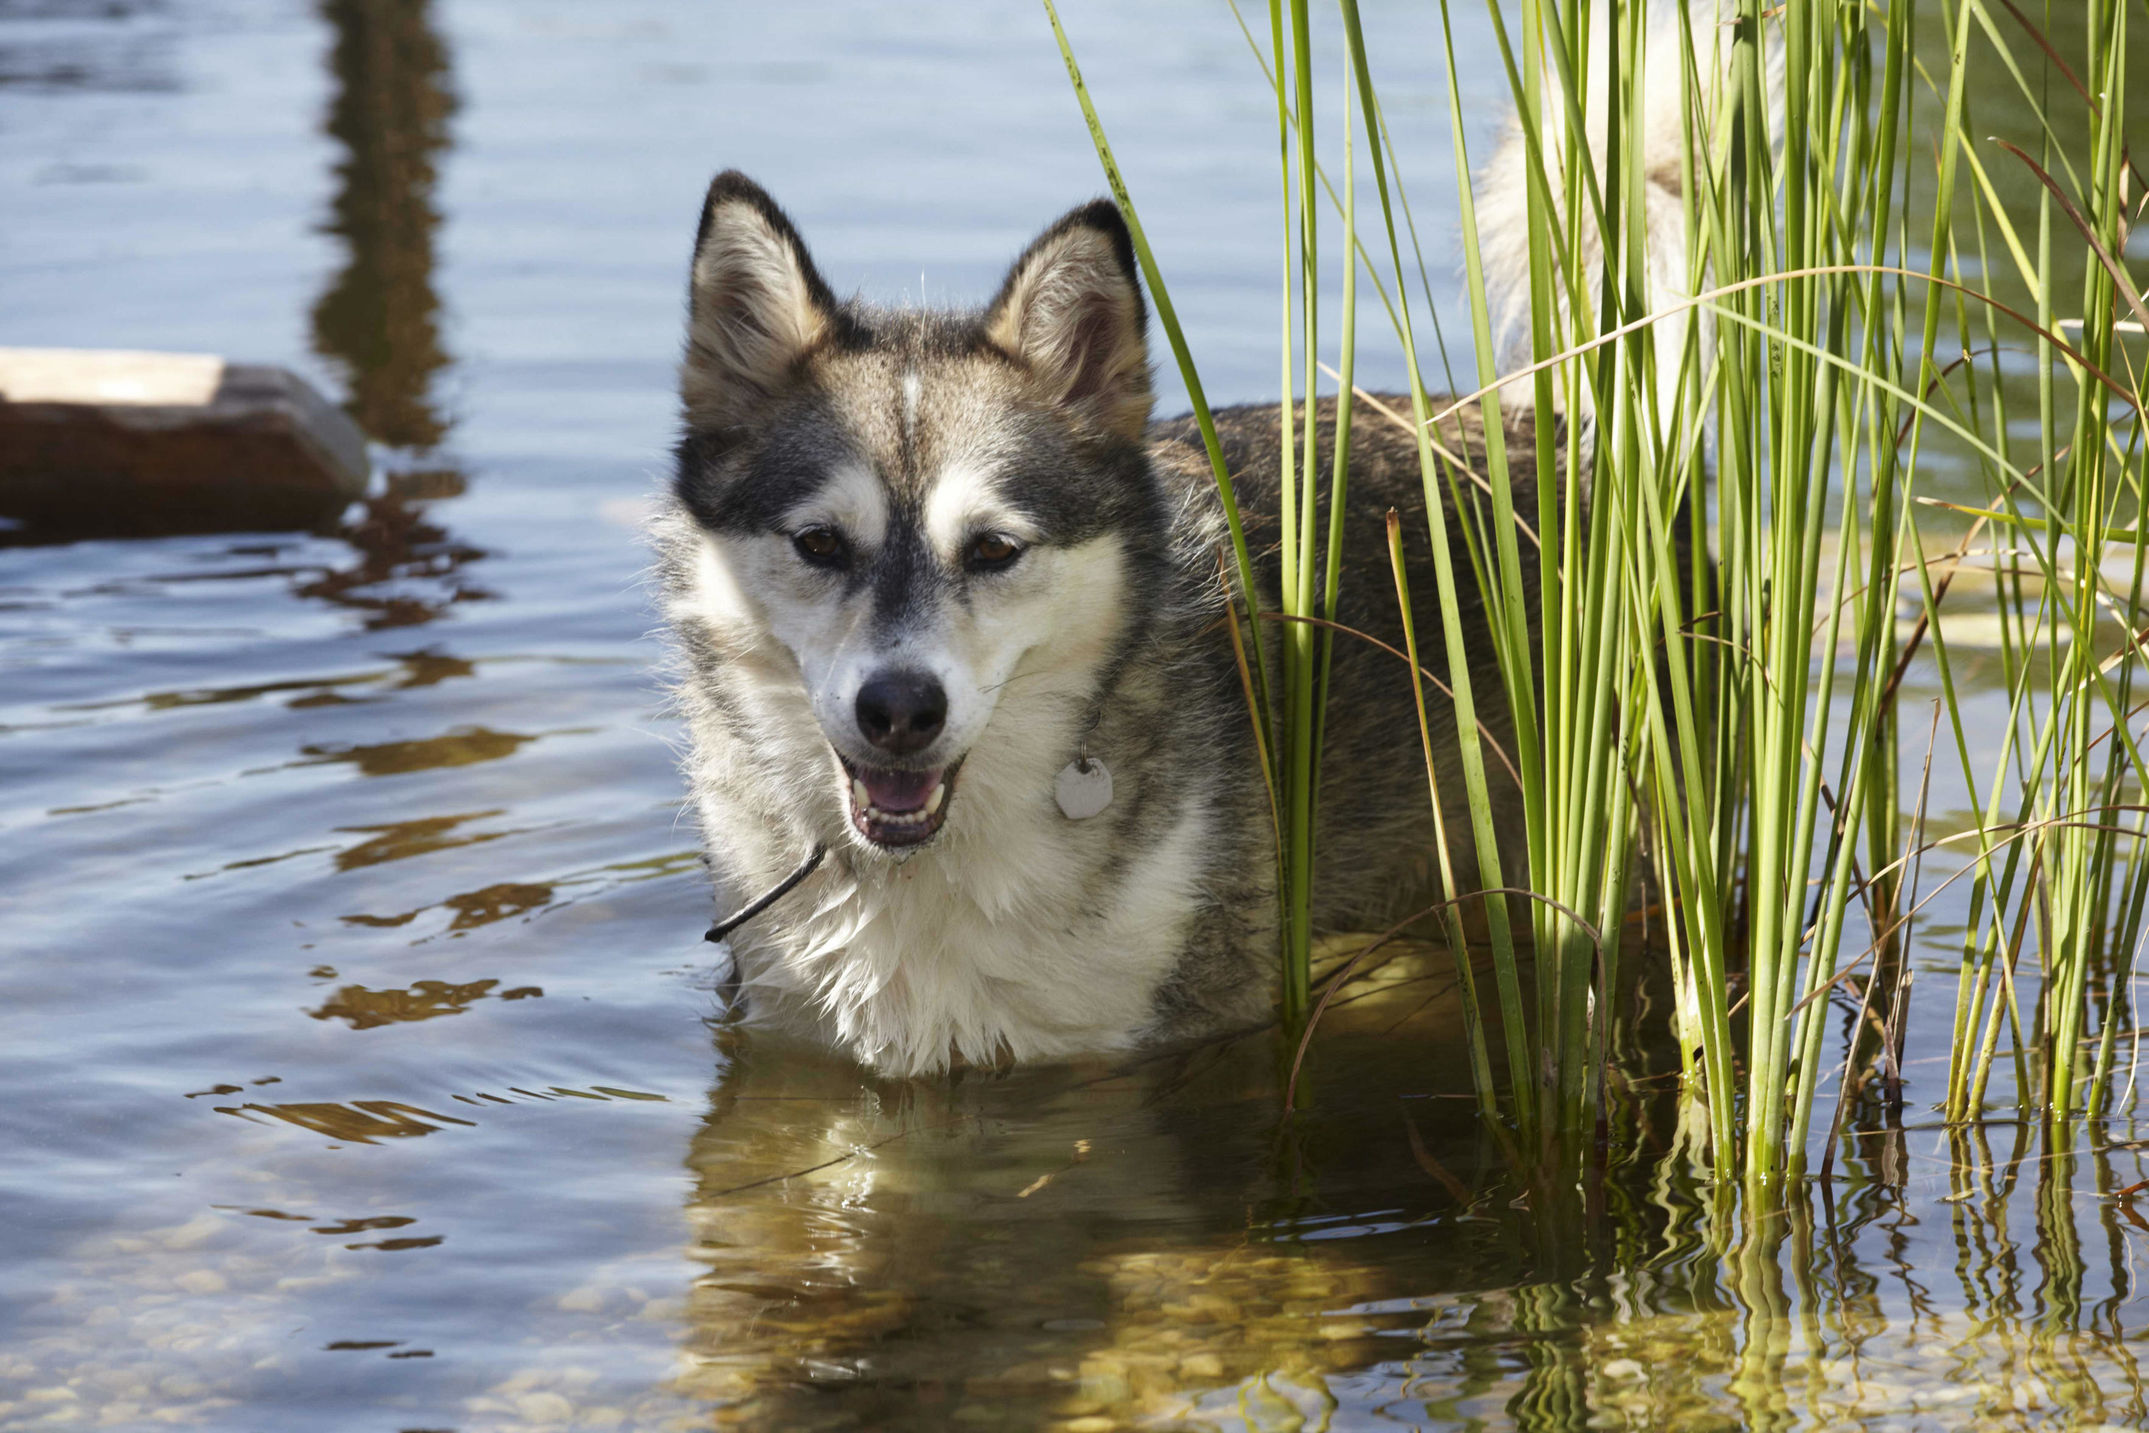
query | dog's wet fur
(918,564)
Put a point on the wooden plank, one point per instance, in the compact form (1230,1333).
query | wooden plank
(118,442)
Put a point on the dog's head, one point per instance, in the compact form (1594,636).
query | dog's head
(918,520)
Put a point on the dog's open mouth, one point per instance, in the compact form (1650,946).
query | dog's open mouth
(899,808)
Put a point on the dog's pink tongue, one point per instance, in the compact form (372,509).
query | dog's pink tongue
(899,790)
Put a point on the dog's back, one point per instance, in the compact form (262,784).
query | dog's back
(1374,835)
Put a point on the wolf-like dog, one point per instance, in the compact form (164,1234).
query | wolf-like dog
(951,609)
(926,569)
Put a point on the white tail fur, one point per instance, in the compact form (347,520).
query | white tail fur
(1503,210)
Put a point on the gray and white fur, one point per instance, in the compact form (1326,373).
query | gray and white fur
(918,564)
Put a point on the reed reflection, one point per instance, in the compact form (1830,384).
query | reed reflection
(1123,1245)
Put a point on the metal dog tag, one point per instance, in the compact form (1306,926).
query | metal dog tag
(1083,788)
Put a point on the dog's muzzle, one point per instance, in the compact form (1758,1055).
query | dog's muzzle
(900,712)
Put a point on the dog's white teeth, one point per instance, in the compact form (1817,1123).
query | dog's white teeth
(914,818)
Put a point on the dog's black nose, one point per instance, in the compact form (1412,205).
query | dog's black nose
(902,712)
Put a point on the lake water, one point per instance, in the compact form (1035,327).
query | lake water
(361,1064)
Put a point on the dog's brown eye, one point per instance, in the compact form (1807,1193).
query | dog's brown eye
(821,546)
(990,552)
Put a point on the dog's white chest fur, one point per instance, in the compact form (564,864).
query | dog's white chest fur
(1000,946)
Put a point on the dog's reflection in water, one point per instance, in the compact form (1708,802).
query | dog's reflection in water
(1112,1240)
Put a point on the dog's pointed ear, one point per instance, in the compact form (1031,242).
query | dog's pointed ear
(755,304)
(1071,311)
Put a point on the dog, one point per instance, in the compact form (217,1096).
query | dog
(953,642)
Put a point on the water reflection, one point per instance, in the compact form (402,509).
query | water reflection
(401,840)
(497,902)
(463,746)
(1075,1242)
(380,318)
(359,1122)
(1105,1247)
(409,568)
(1873,1311)
(365,1009)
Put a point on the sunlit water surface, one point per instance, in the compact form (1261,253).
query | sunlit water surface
(360,1063)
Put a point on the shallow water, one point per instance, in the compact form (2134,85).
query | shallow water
(361,1066)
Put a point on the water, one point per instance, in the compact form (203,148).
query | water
(363,1067)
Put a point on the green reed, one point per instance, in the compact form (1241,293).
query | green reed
(1732,592)
(2060,863)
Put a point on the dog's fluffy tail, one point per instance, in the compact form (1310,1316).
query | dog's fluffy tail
(1503,214)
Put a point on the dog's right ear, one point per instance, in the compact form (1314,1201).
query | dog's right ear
(755,305)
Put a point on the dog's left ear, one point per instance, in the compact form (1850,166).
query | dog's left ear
(1071,311)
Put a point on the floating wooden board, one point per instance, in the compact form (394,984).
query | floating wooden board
(97,440)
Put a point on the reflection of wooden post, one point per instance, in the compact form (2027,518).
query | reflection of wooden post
(379,319)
